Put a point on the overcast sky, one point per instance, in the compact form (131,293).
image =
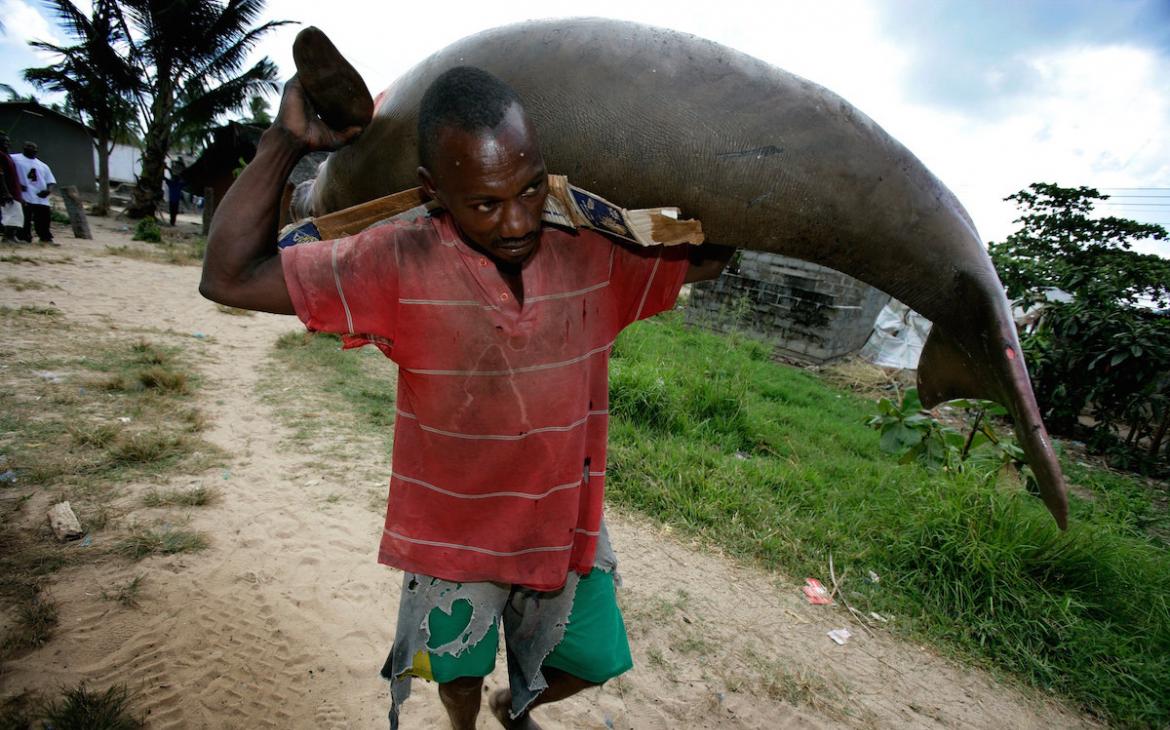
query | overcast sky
(991,94)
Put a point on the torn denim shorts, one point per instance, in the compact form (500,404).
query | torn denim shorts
(534,623)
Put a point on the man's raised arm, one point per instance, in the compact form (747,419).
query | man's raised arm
(242,267)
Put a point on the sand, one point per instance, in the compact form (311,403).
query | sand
(285,621)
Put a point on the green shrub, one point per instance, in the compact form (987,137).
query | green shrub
(148,230)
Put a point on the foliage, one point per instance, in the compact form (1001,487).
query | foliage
(258,106)
(766,462)
(147,229)
(191,55)
(1105,352)
(911,433)
(96,79)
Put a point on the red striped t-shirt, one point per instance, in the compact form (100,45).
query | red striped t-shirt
(500,437)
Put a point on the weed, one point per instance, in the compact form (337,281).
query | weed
(197,497)
(82,709)
(35,621)
(95,436)
(150,447)
(127,594)
(147,230)
(144,542)
(165,379)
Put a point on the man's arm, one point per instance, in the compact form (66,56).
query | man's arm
(242,268)
(707,261)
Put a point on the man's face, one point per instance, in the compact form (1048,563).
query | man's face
(3,142)
(30,149)
(493,183)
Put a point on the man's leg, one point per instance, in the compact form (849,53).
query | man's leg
(42,221)
(26,229)
(593,650)
(561,684)
(461,698)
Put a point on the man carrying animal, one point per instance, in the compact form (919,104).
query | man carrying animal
(501,328)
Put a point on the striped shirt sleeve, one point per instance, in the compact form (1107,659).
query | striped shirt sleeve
(347,286)
(649,279)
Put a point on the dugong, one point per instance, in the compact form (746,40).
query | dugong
(766,160)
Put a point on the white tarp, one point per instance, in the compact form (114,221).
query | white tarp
(897,339)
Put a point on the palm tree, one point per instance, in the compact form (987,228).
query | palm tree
(96,79)
(190,54)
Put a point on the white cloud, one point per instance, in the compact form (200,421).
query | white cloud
(23,23)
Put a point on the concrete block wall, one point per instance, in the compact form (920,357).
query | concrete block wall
(808,312)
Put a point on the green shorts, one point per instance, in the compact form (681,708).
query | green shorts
(594,647)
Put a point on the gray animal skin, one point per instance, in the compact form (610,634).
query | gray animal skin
(766,160)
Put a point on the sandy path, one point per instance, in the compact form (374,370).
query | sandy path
(285,621)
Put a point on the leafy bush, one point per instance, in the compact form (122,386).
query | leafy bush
(148,230)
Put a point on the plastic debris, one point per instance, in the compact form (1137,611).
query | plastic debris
(124,419)
(874,577)
(49,375)
(878,617)
(8,477)
(816,592)
(840,636)
(199,335)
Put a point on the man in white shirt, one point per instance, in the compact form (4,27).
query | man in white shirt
(36,181)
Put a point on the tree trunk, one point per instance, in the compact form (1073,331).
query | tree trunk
(76,211)
(156,145)
(103,154)
(1156,439)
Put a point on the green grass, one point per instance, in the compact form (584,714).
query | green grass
(772,465)
(369,395)
(83,709)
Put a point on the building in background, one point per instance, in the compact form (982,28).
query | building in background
(65,144)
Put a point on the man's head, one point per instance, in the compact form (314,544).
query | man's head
(480,159)
(30,149)
(3,142)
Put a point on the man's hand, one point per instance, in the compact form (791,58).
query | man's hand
(297,119)
(241,267)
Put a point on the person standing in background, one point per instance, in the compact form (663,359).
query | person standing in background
(36,182)
(175,185)
(11,212)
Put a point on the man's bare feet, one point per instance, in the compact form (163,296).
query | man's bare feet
(500,703)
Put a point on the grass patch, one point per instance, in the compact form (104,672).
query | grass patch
(771,464)
(196,497)
(359,382)
(30,311)
(18,284)
(35,621)
(127,594)
(142,543)
(83,709)
(171,248)
(63,429)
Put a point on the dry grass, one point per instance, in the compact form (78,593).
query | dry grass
(200,496)
(144,542)
(89,418)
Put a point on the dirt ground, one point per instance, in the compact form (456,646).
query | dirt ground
(286,619)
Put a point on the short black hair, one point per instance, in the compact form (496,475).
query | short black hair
(465,97)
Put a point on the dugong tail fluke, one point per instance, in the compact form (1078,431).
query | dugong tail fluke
(766,160)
